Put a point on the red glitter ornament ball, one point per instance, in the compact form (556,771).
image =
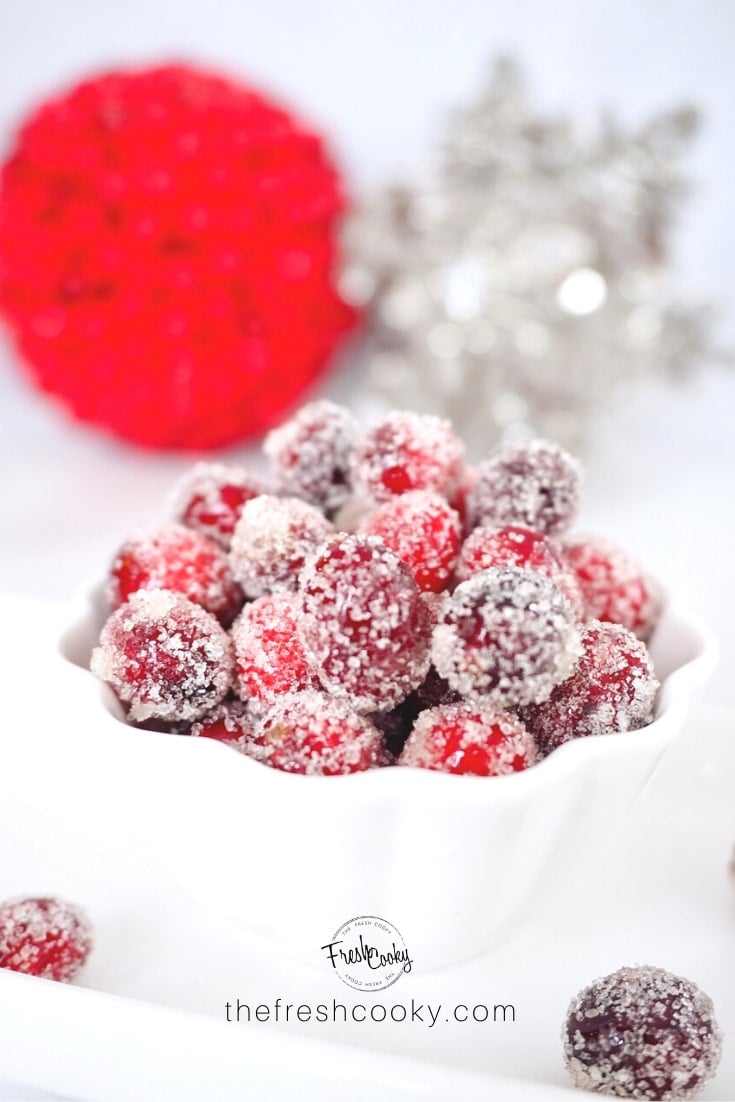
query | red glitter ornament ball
(167,255)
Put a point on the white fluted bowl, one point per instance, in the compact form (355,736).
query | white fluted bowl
(456,863)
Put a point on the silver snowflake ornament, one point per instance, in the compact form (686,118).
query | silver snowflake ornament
(526,283)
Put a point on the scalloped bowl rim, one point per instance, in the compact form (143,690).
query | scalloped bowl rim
(674,695)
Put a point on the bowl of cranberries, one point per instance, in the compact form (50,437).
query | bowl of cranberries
(388,682)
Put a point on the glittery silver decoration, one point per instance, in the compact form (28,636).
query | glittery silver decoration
(526,281)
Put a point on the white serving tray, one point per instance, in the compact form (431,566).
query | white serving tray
(146,1019)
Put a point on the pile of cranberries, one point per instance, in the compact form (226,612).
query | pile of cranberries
(377,601)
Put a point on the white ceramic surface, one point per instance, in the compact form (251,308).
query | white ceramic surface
(147,1017)
(455,863)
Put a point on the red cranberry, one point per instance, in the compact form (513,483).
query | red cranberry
(614,587)
(176,558)
(507,636)
(521,547)
(44,937)
(310,732)
(269,657)
(469,738)
(530,483)
(230,722)
(408,451)
(435,690)
(458,501)
(273,538)
(310,454)
(642,1033)
(423,531)
(396,723)
(364,625)
(612,688)
(211,496)
(164,656)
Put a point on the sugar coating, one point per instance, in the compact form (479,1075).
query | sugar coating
(363,624)
(423,530)
(514,545)
(532,483)
(165,657)
(507,636)
(210,497)
(469,738)
(44,937)
(311,453)
(171,556)
(612,688)
(311,732)
(613,585)
(269,656)
(272,539)
(642,1033)
(231,722)
(408,451)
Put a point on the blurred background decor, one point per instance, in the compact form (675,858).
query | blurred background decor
(378,79)
(525,281)
(167,255)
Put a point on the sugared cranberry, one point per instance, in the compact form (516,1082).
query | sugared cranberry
(435,690)
(310,732)
(408,451)
(521,547)
(364,625)
(310,454)
(642,1033)
(210,498)
(396,724)
(269,657)
(530,483)
(613,586)
(507,636)
(458,501)
(469,738)
(176,558)
(164,656)
(273,538)
(44,937)
(230,722)
(612,688)
(423,531)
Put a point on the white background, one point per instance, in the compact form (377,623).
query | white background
(378,77)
